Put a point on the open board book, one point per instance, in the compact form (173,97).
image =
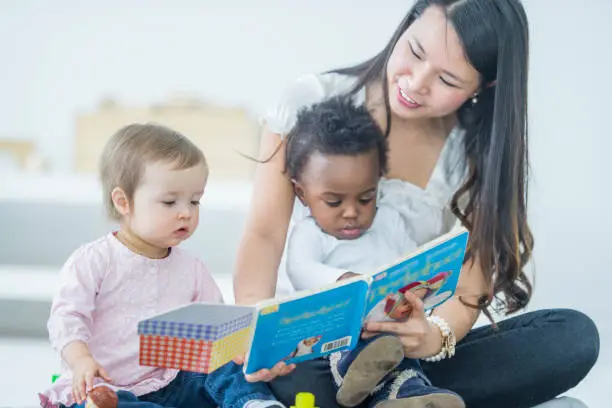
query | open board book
(202,337)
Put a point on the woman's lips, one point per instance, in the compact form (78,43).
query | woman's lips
(406,99)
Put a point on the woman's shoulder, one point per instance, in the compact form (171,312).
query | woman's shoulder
(303,92)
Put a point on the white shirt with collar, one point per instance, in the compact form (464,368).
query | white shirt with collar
(315,259)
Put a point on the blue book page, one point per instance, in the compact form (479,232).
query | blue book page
(431,274)
(307,327)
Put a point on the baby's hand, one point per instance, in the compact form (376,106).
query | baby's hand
(266,375)
(347,275)
(84,371)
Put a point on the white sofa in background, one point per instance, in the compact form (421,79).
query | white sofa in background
(45,218)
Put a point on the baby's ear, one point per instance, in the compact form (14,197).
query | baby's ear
(120,201)
(299,190)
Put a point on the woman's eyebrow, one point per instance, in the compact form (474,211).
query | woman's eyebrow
(418,43)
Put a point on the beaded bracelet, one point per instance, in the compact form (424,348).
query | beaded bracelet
(448,340)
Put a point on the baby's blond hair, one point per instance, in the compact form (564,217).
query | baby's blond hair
(134,146)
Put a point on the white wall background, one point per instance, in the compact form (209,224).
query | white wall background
(61,57)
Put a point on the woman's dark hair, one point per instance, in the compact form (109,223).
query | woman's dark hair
(333,127)
(495,37)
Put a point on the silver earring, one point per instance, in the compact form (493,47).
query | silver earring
(475,99)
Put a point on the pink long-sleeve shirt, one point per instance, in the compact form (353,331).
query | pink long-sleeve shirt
(106,289)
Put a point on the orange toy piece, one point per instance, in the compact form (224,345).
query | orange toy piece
(101,397)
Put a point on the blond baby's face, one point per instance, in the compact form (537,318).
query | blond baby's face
(166,204)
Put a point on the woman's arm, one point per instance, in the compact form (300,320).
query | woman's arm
(471,287)
(264,236)
(265,232)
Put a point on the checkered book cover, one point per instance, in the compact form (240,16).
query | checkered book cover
(196,337)
(179,353)
(203,356)
(230,346)
(195,331)
(234,326)
(182,330)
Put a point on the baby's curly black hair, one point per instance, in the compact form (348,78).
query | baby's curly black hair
(335,126)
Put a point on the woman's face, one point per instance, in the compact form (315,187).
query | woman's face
(428,73)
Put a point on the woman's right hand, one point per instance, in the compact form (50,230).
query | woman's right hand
(84,370)
(417,335)
(266,375)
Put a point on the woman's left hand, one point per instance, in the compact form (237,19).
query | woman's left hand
(419,337)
